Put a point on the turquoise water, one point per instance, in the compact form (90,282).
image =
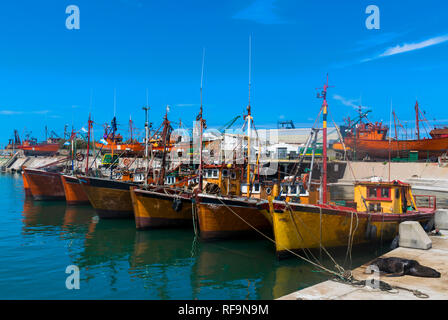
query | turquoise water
(38,240)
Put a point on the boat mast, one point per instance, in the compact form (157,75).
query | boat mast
(89,126)
(323,96)
(249,122)
(417,128)
(201,127)
(164,138)
(146,136)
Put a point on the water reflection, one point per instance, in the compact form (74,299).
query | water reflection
(119,262)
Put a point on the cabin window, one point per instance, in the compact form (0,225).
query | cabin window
(225,173)
(233,175)
(378,193)
(282,153)
(293,190)
(302,189)
(215,174)
(375,207)
(397,193)
(256,188)
(268,191)
(284,189)
(372,192)
(243,188)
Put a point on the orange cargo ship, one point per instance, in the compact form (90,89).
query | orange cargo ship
(32,148)
(370,140)
(74,193)
(44,185)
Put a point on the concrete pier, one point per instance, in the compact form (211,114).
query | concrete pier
(420,175)
(435,288)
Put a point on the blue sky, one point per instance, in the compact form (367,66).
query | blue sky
(50,73)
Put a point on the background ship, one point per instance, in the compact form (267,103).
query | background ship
(31,147)
(368,140)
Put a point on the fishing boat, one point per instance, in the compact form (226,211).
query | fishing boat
(226,212)
(110,198)
(74,193)
(379,209)
(43,184)
(166,203)
(113,143)
(26,186)
(365,139)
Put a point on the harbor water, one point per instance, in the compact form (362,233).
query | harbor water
(39,240)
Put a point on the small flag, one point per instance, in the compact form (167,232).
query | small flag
(66,143)
(83,129)
(102,141)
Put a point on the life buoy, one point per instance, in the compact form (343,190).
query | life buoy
(79,157)
(126,162)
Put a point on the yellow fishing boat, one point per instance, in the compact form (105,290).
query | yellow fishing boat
(379,208)
(374,215)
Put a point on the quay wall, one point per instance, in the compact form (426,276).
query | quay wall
(423,176)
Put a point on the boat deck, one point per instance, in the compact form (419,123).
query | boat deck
(435,288)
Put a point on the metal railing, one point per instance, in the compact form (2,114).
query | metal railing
(425,201)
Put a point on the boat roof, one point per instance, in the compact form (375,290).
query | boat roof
(393,183)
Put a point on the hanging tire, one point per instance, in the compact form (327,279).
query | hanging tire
(79,157)
(177,205)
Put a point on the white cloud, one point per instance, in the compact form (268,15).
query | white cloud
(10,112)
(407,47)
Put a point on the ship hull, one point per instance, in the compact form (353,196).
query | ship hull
(299,226)
(74,193)
(26,186)
(221,217)
(47,149)
(154,209)
(379,149)
(111,199)
(44,185)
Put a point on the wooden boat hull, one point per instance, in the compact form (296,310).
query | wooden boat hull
(221,217)
(110,198)
(308,226)
(74,193)
(26,187)
(380,148)
(44,185)
(154,209)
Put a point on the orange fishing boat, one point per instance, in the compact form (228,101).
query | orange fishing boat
(74,193)
(162,207)
(110,198)
(369,140)
(26,186)
(44,185)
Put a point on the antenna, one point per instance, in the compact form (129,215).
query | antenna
(91,100)
(115,102)
(202,74)
(250,69)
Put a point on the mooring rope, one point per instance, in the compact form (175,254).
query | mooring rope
(343,276)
